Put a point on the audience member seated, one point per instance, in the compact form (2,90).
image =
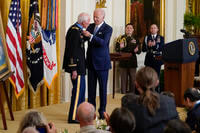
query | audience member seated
(168,93)
(177,126)
(86,115)
(51,128)
(152,111)
(192,103)
(121,121)
(33,119)
(30,130)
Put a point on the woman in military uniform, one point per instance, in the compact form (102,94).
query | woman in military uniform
(127,43)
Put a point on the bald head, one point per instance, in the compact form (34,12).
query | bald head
(30,130)
(99,15)
(86,112)
(84,19)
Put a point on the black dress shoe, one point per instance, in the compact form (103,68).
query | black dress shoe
(73,122)
(101,117)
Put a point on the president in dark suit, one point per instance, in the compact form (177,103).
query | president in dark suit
(74,63)
(98,59)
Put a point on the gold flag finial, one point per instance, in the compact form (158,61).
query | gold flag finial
(100,3)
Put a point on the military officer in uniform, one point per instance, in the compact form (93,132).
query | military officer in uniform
(153,45)
(74,63)
(127,43)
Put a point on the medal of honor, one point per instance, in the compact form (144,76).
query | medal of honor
(158,39)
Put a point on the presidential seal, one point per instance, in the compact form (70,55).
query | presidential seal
(191,48)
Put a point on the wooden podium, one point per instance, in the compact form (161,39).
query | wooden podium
(179,57)
(177,78)
(117,57)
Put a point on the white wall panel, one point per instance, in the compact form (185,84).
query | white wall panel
(69,12)
(175,10)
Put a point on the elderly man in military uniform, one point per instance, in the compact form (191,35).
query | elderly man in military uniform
(74,63)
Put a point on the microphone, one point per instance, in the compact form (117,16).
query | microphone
(185,32)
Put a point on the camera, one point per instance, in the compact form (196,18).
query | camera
(41,129)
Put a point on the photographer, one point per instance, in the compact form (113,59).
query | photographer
(51,128)
(36,120)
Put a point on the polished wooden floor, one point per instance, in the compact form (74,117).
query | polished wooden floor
(58,114)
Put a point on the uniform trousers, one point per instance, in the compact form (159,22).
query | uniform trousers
(78,96)
(128,74)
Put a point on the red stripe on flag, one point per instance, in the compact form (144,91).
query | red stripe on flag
(19,60)
(21,83)
(19,39)
(10,35)
(13,78)
(11,56)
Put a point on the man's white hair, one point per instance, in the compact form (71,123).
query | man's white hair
(82,17)
(100,10)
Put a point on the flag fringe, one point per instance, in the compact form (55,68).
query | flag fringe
(21,91)
(46,83)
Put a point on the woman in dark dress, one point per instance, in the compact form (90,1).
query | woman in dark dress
(152,110)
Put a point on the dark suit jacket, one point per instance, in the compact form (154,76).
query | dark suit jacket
(74,57)
(145,123)
(193,118)
(98,56)
(150,57)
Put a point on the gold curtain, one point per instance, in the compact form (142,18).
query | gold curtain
(43,96)
(196,7)
(193,6)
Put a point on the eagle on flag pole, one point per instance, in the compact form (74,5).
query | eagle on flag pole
(34,50)
(14,47)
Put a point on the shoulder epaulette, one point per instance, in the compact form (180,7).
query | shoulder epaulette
(75,28)
(121,38)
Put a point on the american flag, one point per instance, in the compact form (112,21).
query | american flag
(13,42)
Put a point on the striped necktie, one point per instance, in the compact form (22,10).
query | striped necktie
(95,30)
